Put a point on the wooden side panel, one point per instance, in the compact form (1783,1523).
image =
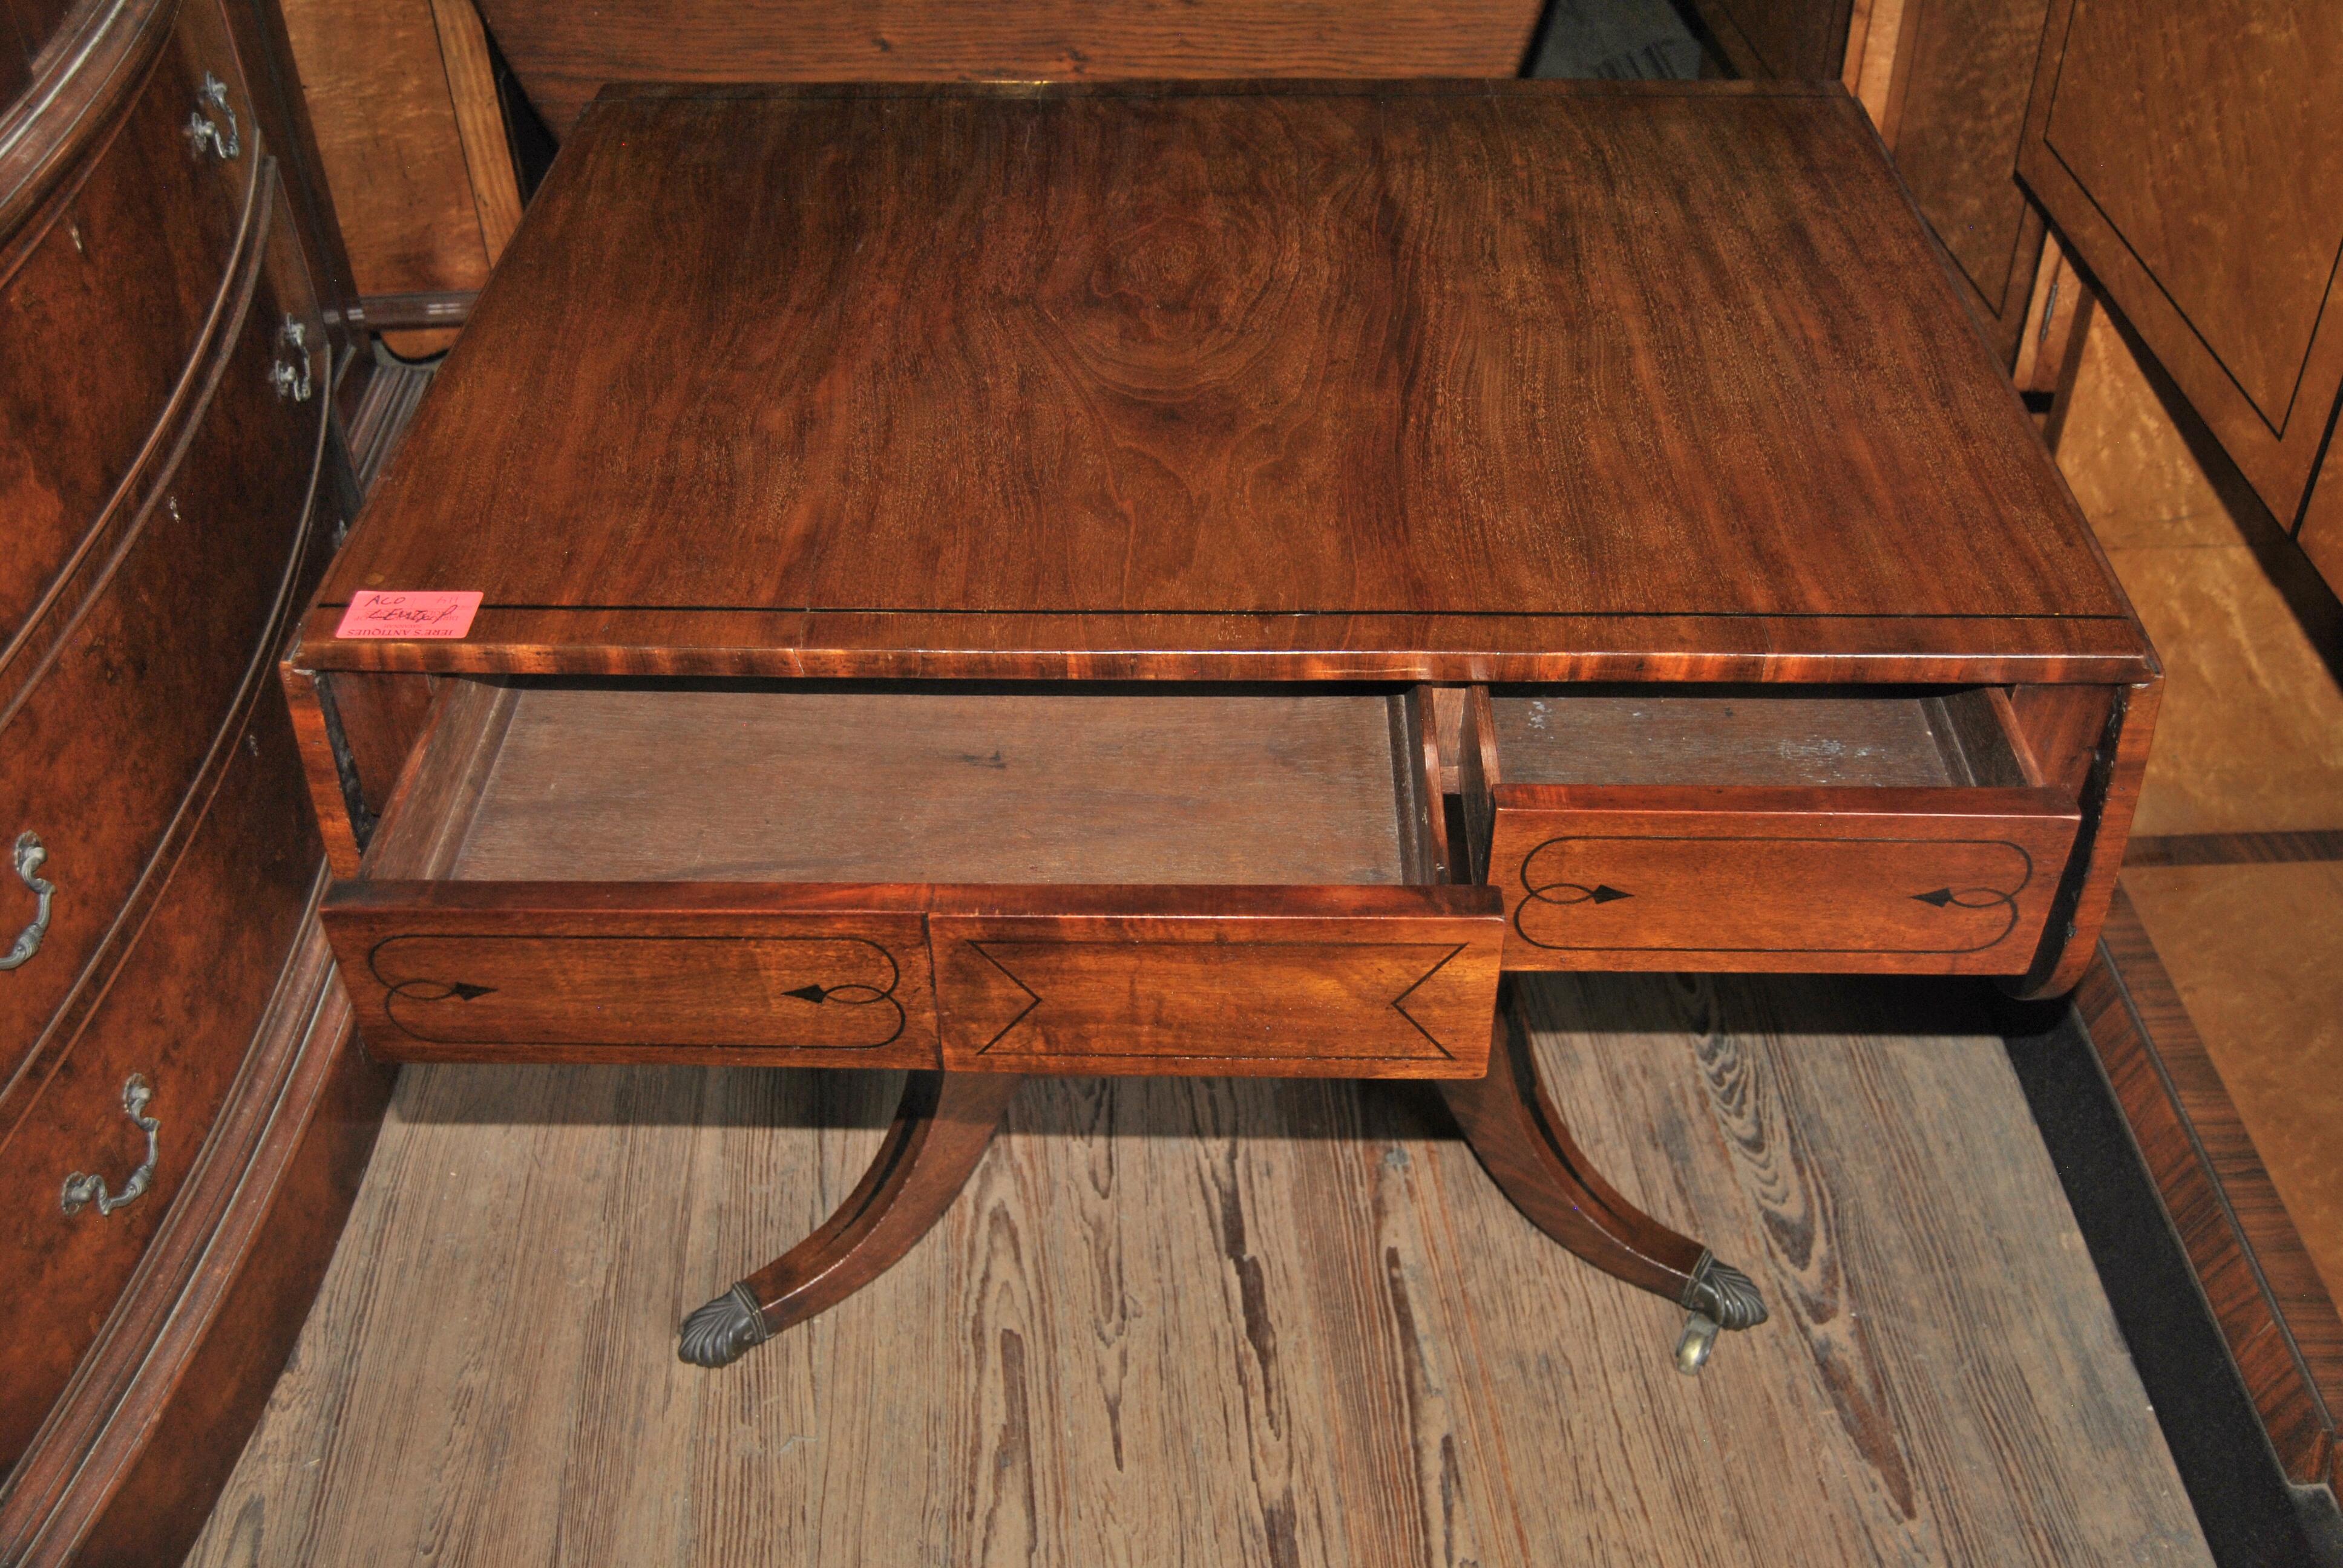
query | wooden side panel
(1916,881)
(382,717)
(2189,153)
(2092,741)
(2322,520)
(2279,1323)
(1365,982)
(305,701)
(2056,319)
(680,974)
(564,53)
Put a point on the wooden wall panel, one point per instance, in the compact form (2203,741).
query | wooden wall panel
(2260,1281)
(2190,154)
(563,52)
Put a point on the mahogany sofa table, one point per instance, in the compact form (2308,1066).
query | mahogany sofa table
(1202,578)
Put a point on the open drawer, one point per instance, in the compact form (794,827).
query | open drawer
(1015,881)
(1882,831)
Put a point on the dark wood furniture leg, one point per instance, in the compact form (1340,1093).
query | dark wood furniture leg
(1527,1150)
(942,1128)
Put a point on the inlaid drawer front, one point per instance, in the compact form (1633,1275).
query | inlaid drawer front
(1010,882)
(101,320)
(1390,982)
(1887,832)
(1635,879)
(710,975)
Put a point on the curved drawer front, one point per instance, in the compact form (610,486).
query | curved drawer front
(103,316)
(99,753)
(179,1014)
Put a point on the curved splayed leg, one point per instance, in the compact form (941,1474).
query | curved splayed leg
(942,1128)
(1524,1145)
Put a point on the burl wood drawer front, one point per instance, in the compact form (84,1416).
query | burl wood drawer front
(1370,983)
(1886,831)
(709,974)
(175,1015)
(106,308)
(111,729)
(1730,879)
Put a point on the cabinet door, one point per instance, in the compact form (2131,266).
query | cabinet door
(1953,122)
(2190,154)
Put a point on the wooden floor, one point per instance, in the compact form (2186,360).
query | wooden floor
(1217,1323)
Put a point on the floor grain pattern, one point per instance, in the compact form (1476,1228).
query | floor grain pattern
(1219,1322)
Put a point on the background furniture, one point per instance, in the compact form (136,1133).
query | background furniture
(564,54)
(411,138)
(173,1133)
(1945,82)
(2190,154)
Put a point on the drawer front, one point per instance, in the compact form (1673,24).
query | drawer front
(101,319)
(178,1013)
(98,754)
(711,974)
(1950,881)
(1353,982)
(1390,982)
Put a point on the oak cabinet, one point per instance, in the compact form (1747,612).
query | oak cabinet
(2190,154)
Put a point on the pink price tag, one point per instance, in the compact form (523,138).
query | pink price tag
(409,614)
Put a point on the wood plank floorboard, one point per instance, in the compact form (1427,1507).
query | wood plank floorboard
(1219,1322)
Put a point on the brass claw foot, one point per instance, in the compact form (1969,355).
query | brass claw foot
(1717,1297)
(723,1330)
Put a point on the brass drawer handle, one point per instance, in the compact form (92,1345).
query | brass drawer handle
(203,131)
(291,377)
(82,1189)
(30,853)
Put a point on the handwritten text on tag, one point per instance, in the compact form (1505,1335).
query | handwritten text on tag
(409,614)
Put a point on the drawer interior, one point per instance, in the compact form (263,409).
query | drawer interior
(1758,738)
(953,785)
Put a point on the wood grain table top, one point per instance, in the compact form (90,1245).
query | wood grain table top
(1460,381)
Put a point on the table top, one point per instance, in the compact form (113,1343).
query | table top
(1472,381)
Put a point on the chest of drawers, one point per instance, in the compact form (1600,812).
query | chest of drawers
(165,457)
